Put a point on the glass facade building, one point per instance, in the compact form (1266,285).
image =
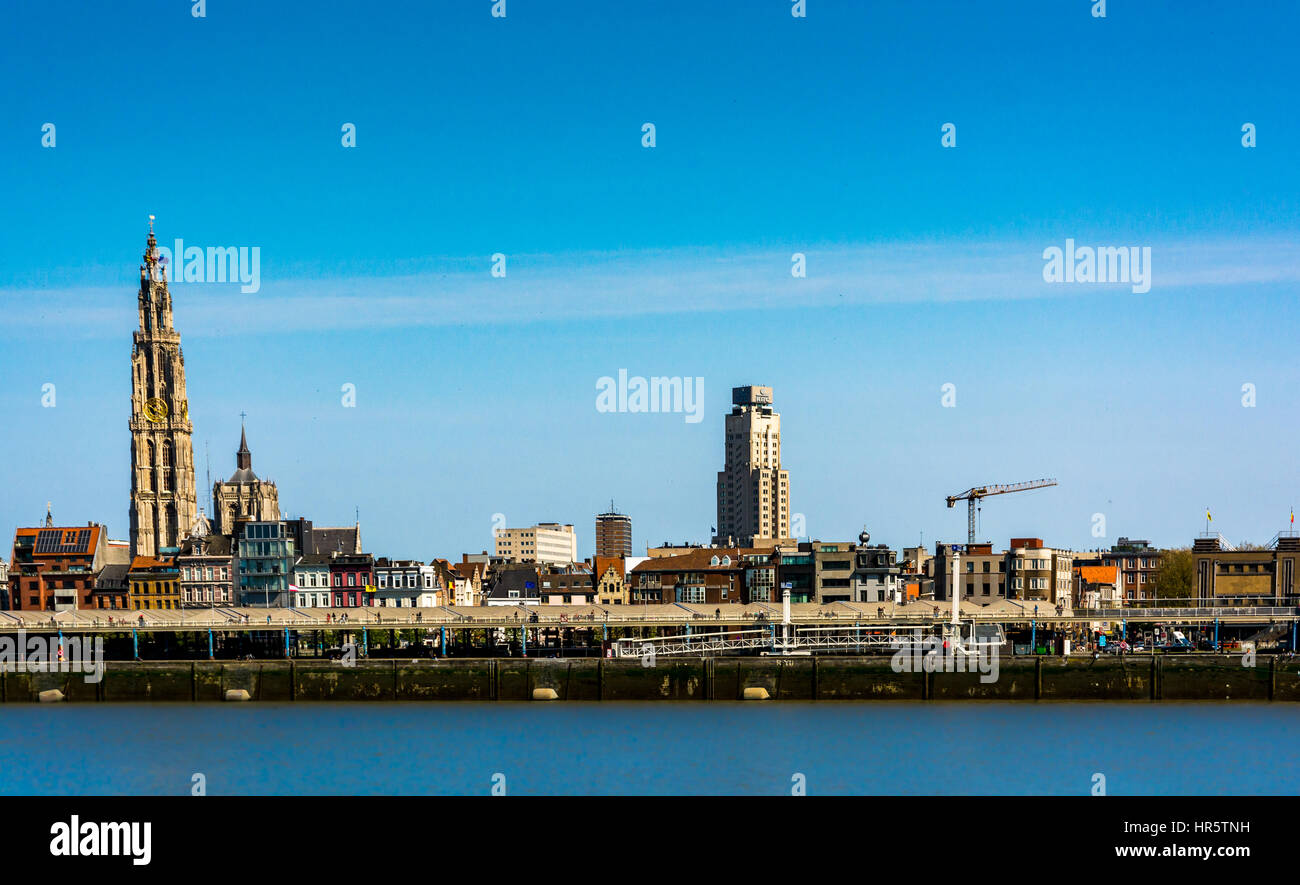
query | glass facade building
(265,561)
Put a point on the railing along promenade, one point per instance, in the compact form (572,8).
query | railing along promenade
(551,617)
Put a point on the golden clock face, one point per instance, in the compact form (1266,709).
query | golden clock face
(155,410)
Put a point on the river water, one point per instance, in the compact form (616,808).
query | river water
(705,748)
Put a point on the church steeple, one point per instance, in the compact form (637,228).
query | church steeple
(151,246)
(155,298)
(243,458)
(244,496)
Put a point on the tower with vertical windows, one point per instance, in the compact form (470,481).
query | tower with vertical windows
(753,490)
(164,502)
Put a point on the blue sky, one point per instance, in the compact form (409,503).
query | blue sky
(774,135)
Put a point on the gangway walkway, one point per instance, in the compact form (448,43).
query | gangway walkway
(802,640)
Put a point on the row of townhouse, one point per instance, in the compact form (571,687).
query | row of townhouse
(814,571)
(292,563)
(271,563)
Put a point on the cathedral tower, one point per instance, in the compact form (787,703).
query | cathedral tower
(243,497)
(163,499)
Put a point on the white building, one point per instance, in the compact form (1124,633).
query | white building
(311,581)
(547,542)
(463,592)
(407,584)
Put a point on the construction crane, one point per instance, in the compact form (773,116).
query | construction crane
(973,496)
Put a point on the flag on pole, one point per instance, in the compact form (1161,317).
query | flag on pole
(1207,515)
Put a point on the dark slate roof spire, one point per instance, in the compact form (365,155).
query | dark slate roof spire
(243,458)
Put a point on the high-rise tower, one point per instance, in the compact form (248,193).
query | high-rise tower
(163,499)
(613,533)
(753,490)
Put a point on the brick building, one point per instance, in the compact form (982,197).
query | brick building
(350,576)
(53,568)
(613,533)
(707,576)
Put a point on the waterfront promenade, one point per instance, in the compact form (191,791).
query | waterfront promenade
(884,615)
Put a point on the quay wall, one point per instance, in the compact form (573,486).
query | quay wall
(1131,678)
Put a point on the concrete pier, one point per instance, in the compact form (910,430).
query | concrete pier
(1130,678)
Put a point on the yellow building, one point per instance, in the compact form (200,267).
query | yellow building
(154,584)
(610,578)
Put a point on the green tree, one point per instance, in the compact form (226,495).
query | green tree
(1176,580)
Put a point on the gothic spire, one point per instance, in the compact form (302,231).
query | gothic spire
(151,247)
(243,458)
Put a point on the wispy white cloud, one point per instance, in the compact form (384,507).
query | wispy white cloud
(585,285)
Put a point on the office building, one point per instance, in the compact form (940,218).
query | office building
(753,490)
